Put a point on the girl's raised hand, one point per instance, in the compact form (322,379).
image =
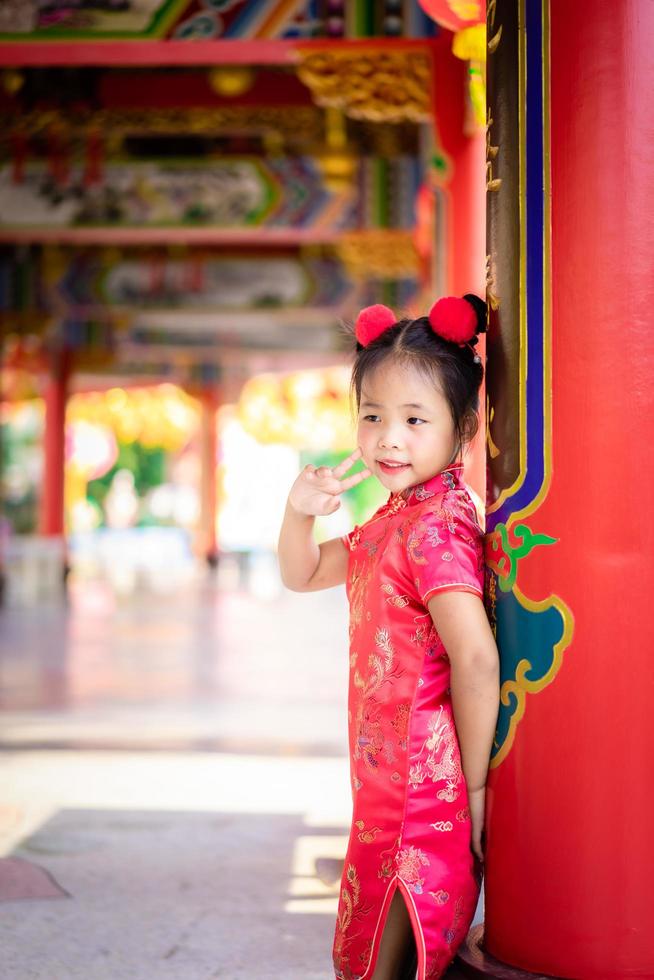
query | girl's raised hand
(317,491)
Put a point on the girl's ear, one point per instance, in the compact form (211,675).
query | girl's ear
(469,427)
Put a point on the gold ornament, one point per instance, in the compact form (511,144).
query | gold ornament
(231,81)
(376,84)
(12,81)
(337,163)
(379,254)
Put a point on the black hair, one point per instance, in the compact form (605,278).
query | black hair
(456,369)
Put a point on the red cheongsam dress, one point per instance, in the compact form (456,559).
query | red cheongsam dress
(411,822)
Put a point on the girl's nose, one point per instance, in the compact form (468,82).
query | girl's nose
(389,439)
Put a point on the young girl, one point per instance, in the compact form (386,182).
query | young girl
(424,675)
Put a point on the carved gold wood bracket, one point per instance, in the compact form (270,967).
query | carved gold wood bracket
(377,85)
(379,254)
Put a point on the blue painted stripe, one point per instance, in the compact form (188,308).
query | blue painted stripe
(240,24)
(534,216)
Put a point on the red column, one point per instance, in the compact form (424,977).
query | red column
(570,847)
(209,401)
(51,516)
(465,194)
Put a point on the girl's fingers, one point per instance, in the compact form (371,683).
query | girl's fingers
(345,465)
(356,478)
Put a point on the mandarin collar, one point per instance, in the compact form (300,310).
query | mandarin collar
(447,479)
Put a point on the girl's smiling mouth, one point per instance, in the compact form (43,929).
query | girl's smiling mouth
(391,466)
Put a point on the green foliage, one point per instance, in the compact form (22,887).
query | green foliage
(147,465)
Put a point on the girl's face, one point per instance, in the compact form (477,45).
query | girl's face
(405,428)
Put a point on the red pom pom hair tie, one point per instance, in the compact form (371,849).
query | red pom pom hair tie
(455,319)
(372,322)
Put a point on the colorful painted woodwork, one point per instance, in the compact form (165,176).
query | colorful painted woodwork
(569,847)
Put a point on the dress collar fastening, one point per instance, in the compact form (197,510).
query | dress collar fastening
(447,479)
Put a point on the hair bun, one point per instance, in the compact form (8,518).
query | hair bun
(372,322)
(454,319)
(480,309)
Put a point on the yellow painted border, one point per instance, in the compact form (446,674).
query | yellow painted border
(522,292)
(519,686)
(531,507)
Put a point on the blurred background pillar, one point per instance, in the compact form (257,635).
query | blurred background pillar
(463,145)
(51,514)
(210,402)
(571,350)
(52,559)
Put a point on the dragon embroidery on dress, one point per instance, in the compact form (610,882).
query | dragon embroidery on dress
(422,493)
(414,540)
(421,534)
(359,579)
(400,724)
(370,740)
(450,934)
(441,742)
(426,637)
(448,517)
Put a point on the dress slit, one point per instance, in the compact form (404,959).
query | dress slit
(398,886)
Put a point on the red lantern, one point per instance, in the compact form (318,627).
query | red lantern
(455,14)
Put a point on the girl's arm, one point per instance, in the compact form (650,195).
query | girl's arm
(461,622)
(306,566)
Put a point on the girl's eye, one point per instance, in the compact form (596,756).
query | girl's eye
(414,420)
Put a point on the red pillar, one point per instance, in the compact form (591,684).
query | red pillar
(209,401)
(464,189)
(570,849)
(51,516)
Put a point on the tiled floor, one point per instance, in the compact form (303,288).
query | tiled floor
(176,765)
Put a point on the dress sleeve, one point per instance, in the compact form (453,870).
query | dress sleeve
(444,548)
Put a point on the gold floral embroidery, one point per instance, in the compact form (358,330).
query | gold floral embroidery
(409,862)
(441,897)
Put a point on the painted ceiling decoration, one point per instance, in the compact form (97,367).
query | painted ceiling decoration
(195,217)
(214,19)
